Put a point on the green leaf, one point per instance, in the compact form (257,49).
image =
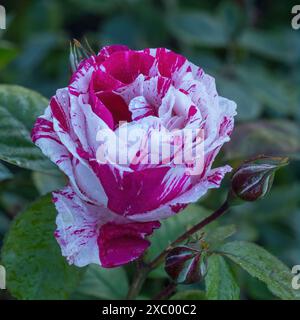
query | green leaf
(198,28)
(248,107)
(256,290)
(19,108)
(261,264)
(232,16)
(271,137)
(189,295)
(280,47)
(271,90)
(270,211)
(4,173)
(46,183)
(34,264)
(220,282)
(218,235)
(100,283)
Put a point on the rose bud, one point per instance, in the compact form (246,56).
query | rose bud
(184,265)
(254,178)
(78,53)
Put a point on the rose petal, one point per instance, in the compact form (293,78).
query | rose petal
(125,66)
(120,244)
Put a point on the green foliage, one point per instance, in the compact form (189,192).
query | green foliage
(220,282)
(100,283)
(34,264)
(198,28)
(248,109)
(189,295)
(262,265)
(23,104)
(272,137)
(46,183)
(219,234)
(275,46)
(4,173)
(19,108)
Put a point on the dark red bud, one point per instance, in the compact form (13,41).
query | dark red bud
(254,178)
(184,265)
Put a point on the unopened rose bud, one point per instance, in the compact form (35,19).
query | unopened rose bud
(184,265)
(254,178)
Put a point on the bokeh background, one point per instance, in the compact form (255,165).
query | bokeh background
(248,46)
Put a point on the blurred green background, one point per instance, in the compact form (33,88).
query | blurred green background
(248,46)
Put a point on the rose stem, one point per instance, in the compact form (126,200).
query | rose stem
(140,276)
(157,261)
(166,292)
(143,269)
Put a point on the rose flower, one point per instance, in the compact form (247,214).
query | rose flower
(110,206)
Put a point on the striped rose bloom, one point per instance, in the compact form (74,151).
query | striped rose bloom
(108,209)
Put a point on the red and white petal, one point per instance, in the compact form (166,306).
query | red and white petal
(140,108)
(212,180)
(168,62)
(155,88)
(224,126)
(77,228)
(80,80)
(193,194)
(228,111)
(141,191)
(132,90)
(88,184)
(92,234)
(60,109)
(44,136)
(126,66)
(86,124)
(106,51)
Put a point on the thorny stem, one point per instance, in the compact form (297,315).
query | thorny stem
(143,269)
